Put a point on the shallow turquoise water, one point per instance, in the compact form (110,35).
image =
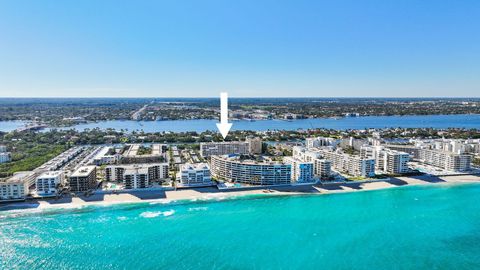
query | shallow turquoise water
(402,228)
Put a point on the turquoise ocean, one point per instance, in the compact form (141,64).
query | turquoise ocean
(416,227)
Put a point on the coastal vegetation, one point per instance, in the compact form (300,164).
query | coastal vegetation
(68,112)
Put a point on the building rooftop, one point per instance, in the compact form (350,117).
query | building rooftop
(18,177)
(194,166)
(83,171)
(50,174)
(246,159)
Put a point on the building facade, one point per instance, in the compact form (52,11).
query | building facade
(223,148)
(387,160)
(16,187)
(446,160)
(83,179)
(322,168)
(350,164)
(254,145)
(136,178)
(302,171)
(195,174)
(155,171)
(318,142)
(48,183)
(234,169)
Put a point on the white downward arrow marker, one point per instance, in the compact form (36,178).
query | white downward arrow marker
(224,126)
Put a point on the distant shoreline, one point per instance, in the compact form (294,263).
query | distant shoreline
(212,194)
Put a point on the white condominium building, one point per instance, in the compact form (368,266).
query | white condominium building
(350,164)
(446,160)
(302,172)
(223,148)
(48,183)
(3,148)
(195,174)
(321,166)
(265,172)
(104,156)
(15,187)
(317,142)
(156,171)
(387,160)
(136,178)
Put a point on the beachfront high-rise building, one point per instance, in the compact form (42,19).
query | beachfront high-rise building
(155,171)
(248,171)
(15,187)
(136,177)
(448,161)
(387,160)
(302,171)
(223,148)
(47,183)
(321,166)
(196,174)
(350,164)
(83,179)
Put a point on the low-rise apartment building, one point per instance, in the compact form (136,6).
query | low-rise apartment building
(15,187)
(195,174)
(48,183)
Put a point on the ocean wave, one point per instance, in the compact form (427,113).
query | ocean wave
(150,214)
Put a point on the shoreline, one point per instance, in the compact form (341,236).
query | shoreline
(212,193)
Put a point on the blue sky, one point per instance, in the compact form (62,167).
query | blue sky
(249,48)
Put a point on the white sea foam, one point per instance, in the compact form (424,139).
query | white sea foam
(168,213)
(150,214)
(122,218)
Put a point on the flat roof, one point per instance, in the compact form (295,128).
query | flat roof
(83,171)
(50,174)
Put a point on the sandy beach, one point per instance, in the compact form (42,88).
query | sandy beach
(212,193)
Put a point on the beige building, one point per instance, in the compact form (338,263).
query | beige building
(15,187)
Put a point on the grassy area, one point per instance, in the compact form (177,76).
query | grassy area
(476,161)
(28,156)
(144,151)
